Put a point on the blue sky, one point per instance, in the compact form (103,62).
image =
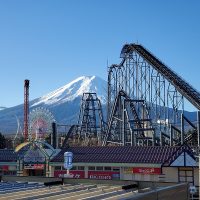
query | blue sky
(52,42)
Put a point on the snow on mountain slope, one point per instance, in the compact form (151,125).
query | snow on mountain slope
(75,89)
(2,108)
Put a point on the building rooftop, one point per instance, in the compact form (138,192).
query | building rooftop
(8,155)
(111,154)
(121,154)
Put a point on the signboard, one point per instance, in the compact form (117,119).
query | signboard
(34,166)
(91,174)
(4,167)
(103,175)
(68,160)
(146,170)
(128,170)
(74,173)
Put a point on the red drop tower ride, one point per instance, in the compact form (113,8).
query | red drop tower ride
(26,108)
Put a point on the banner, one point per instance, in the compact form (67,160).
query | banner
(33,166)
(146,170)
(4,167)
(103,175)
(128,170)
(73,173)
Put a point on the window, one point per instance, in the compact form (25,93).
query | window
(81,168)
(115,176)
(10,173)
(186,175)
(74,168)
(12,168)
(57,167)
(91,168)
(116,169)
(107,168)
(182,173)
(189,179)
(99,168)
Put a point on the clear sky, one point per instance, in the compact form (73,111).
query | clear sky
(52,42)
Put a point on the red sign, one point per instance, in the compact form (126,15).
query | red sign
(34,166)
(74,173)
(4,168)
(102,175)
(146,170)
(38,166)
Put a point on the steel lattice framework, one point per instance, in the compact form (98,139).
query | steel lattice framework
(90,129)
(91,123)
(155,93)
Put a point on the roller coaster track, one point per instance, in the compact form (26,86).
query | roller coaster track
(185,89)
(73,129)
(123,103)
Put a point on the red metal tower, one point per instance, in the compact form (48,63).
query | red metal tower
(26,108)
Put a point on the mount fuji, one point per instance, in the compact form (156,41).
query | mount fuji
(64,103)
(73,90)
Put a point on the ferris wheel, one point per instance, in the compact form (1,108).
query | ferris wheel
(40,123)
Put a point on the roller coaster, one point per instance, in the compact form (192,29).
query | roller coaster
(90,129)
(145,104)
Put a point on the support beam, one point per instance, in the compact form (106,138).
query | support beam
(182,129)
(198,127)
(26,109)
(123,124)
(54,142)
(154,139)
(161,139)
(171,136)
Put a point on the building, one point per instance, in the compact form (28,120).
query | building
(167,164)
(155,163)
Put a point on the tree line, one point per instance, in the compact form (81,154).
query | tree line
(5,142)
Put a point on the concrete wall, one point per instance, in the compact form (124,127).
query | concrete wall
(149,184)
(127,174)
(196,176)
(170,174)
(178,192)
(95,181)
(140,177)
(159,191)
(30,179)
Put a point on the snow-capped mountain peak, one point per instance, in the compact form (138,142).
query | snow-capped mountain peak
(75,89)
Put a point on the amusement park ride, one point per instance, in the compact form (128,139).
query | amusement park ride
(145,106)
(38,124)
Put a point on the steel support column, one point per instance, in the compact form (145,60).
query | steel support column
(123,124)
(171,136)
(198,127)
(161,139)
(182,129)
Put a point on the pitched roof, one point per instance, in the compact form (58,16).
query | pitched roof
(177,153)
(120,154)
(139,154)
(8,155)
